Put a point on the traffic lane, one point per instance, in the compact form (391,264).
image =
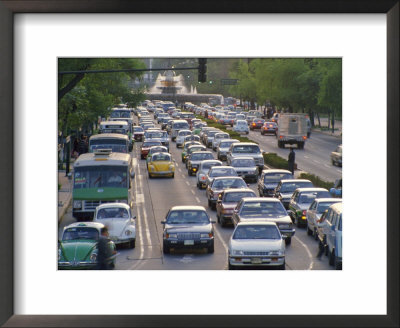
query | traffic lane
(311,159)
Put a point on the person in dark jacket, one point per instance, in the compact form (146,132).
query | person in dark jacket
(103,250)
(291,160)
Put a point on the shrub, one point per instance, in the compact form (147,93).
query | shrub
(275,161)
(317,181)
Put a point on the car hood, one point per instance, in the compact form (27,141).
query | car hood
(180,228)
(245,168)
(229,205)
(247,155)
(256,245)
(116,226)
(160,165)
(77,250)
(270,185)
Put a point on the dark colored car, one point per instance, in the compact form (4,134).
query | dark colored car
(144,149)
(227,201)
(219,185)
(257,123)
(188,227)
(285,189)
(301,201)
(138,133)
(269,179)
(193,161)
(269,128)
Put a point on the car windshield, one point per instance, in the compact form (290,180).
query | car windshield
(116,145)
(324,206)
(119,113)
(153,135)
(161,157)
(307,197)
(181,125)
(201,156)
(235,197)
(137,129)
(184,133)
(256,232)
(276,177)
(100,176)
(207,166)
(246,149)
(188,217)
(226,144)
(222,172)
(262,210)
(112,212)
(193,149)
(292,186)
(228,183)
(77,233)
(243,163)
(148,144)
(157,149)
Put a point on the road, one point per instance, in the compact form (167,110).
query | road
(314,158)
(154,197)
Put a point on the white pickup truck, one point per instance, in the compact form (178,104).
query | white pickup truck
(292,129)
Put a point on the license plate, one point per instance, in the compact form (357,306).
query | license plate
(256,261)
(188,242)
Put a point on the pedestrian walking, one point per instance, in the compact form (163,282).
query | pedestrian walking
(206,114)
(291,160)
(82,145)
(103,249)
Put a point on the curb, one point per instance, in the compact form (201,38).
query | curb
(64,208)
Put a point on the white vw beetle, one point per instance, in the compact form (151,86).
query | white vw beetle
(118,218)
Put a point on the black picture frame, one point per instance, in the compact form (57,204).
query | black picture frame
(10,7)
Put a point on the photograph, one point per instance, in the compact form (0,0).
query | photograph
(199,163)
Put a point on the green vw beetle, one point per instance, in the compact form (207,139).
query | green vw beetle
(78,248)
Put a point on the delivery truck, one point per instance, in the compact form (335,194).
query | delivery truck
(292,130)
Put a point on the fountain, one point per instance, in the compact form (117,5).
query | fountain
(171,87)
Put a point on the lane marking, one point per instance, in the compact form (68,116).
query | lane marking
(197,199)
(315,161)
(139,198)
(308,252)
(305,156)
(222,241)
(328,166)
(187,182)
(192,191)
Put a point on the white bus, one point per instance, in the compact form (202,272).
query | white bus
(118,143)
(101,177)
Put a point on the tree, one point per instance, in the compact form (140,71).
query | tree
(84,97)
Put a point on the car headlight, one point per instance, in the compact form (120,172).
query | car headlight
(237,253)
(206,235)
(93,257)
(151,168)
(77,204)
(284,226)
(171,235)
(278,253)
(171,167)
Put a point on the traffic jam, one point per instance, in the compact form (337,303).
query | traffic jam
(160,188)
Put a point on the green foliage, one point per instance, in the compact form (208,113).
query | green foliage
(317,181)
(275,161)
(85,97)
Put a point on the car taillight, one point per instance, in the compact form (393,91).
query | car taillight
(254,124)
(304,137)
(304,213)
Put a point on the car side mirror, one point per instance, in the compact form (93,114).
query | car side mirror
(163,222)
(132,174)
(134,217)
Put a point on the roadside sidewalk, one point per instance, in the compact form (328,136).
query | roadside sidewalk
(64,194)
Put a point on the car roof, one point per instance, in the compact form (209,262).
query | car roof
(113,205)
(229,191)
(246,143)
(275,171)
(311,189)
(327,200)
(338,207)
(108,136)
(255,222)
(188,207)
(294,180)
(236,178)
(261,199)
(96,225)
(224,167)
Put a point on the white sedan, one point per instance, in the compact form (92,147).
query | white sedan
(118,218)
(241,126)
(256,243)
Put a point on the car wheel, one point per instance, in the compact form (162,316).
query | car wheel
(189,173)
(230,267)
(315,234)
(309,231)
(337,264)
(213,207)
(223,222)
(262,133)
(198,186)
(218,218)
(333,162)
(332,257)
(288,240)
(282,267)
(166,249)
(150,176)
(173,175)
(209,203)
(210,249)
(132,243)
